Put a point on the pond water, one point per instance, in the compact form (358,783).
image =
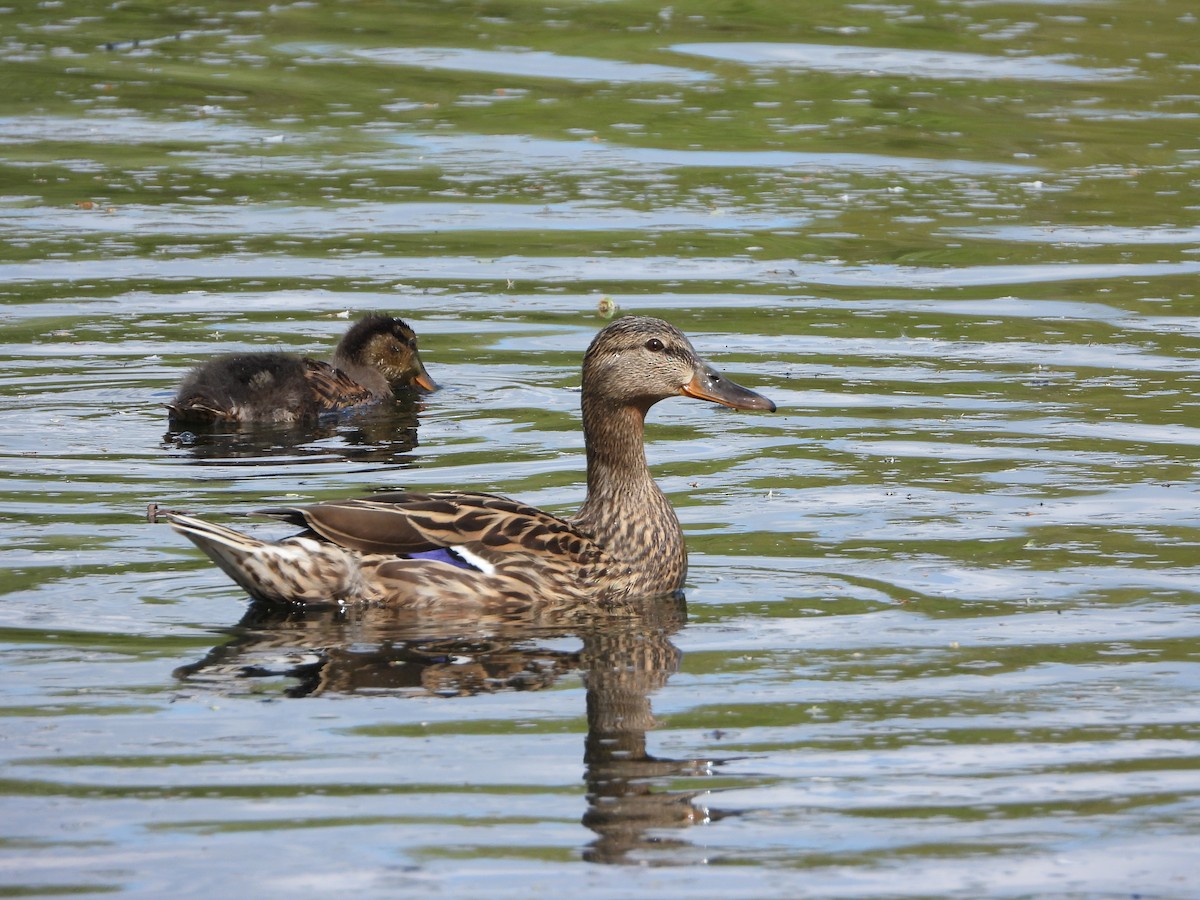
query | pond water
(941,622)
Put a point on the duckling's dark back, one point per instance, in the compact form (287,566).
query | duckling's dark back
(246,387)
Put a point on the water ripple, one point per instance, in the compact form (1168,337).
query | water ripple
(398,218)
(574,269)
(527,64)
(892,61)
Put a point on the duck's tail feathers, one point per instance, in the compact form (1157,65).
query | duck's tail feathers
(298,570)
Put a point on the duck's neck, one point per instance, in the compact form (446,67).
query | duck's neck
(625,511)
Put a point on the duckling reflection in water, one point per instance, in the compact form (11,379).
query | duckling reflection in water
(376,359)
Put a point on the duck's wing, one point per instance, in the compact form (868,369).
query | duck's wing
(405,523)
(332,387)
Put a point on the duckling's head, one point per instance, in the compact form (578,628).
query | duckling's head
(387,345)
(637,361)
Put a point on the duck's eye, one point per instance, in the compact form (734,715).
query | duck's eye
(654,345)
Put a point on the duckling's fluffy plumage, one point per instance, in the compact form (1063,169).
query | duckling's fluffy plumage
(454,552)
(375,359)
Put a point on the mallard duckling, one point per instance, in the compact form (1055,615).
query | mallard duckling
(456,552)
(375,359)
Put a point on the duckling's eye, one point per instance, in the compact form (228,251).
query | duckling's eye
(654,345)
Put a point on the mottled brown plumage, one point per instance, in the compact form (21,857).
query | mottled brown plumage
(374,359)
(485,552)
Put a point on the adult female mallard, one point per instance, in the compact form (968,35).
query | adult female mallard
(455,551)
(374,359)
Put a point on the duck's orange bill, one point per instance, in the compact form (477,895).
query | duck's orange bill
(709,384)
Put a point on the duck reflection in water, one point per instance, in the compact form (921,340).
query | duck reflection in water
(627,804)
(342,651)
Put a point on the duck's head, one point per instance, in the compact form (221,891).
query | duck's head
(637,361)
(388,345)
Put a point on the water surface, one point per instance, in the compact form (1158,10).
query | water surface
(942,615)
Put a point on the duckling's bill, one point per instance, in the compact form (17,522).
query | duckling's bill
(422,380)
